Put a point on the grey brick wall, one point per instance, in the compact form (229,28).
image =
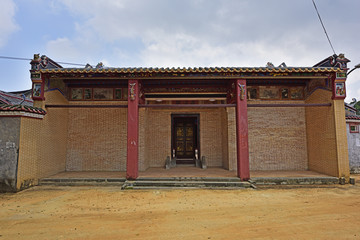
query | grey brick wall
(9,146)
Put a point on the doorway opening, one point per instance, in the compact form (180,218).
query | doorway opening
(185,137)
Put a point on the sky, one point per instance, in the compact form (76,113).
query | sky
(176,33)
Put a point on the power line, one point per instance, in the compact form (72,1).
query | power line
(28,59)
(15,58)
(322,24)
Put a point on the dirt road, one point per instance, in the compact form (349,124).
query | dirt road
(109,213)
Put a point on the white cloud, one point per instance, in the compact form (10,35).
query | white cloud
(186,33)
(195,33)
(62,47)
(7,22)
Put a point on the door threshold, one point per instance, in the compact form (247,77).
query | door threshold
(185,165)
(185,162)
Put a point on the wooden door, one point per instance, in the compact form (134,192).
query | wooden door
(185,139)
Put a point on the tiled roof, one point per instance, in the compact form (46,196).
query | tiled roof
(196,70)
(353,117)
(21,108)
(15,99)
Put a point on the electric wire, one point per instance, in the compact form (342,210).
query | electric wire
(28,59)
(322,24)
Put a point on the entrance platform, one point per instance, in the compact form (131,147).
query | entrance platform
(189,177)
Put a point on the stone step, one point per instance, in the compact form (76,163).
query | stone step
(185,184)
(184,179)
(190,182)
(81,181)
(294,180)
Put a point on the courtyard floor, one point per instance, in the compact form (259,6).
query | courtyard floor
(328,212)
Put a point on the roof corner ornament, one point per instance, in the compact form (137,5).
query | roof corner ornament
(88,66)
(35,63)
(342,61)
(44,61)
(270,65)
(132,91)
(36,57)
(339,61)
(283,65)
(100,65)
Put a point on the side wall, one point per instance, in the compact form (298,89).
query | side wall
(277,137)
(342,154)
(97,138)
(9,146)
(43,143)
(326,135)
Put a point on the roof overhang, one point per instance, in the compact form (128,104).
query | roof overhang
(192,73)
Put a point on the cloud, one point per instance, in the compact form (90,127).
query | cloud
(201,33)
(186,33)
(62,47)
(7,22)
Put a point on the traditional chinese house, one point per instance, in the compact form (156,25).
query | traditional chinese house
(240,119)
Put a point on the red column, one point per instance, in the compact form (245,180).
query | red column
(243,171)
(132,130)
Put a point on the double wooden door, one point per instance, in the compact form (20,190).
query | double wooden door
(185,138)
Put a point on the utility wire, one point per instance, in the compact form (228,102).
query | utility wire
(28,59)
(322,24)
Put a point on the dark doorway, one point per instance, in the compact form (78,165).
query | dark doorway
(185,138)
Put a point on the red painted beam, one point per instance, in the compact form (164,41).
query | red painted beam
(185,105)
(132,130)
(84,106)
(291,105)
(243,171)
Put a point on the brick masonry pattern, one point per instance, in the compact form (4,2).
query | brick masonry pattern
(81,139)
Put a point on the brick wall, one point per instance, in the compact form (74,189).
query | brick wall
(341,140)
(211,140)
(158,135)
(94,139)
(224,139)
(143,165)
(277,137)
(43,143)
(326,135)
(230,147)
(97,138)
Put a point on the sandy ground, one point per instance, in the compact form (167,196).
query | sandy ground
(109,213)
